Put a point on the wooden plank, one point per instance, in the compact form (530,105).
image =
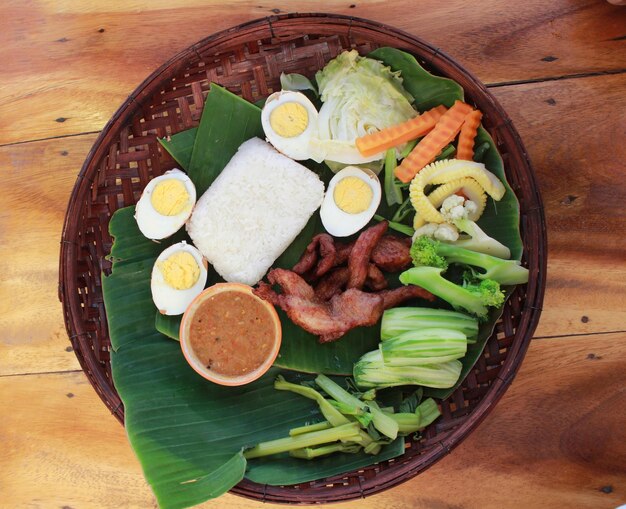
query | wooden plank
(574,131)
(67,66)
(37,179)
(556,439)
(587,268)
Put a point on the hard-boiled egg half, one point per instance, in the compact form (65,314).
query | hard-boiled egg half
(165,205)
(178,276)
(292,125)
(289,121)
(350,202)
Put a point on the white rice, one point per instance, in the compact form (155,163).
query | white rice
(253,210)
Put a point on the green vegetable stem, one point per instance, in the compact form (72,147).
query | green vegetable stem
(471,297)
(399,227)
(424,415)
(426,251)
(344,432)
(393,193)
(382,422)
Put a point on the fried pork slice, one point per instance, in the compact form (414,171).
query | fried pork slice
(320,251)
(332,283)
(343,252)
(392,254)
(397,296)
(358,261)
(336,280)
(375,278)
(329,320)
(350,309)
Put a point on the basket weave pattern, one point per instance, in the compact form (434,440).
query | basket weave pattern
(248,60)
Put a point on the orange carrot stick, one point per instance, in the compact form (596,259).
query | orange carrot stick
(398,134)
(465,147)
(430,145)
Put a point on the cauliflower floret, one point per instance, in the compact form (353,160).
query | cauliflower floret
(456,207)
(439,231)
(452,207)
(457,211)
(471,207)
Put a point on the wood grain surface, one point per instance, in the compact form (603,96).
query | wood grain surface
(98,52)
(556,439)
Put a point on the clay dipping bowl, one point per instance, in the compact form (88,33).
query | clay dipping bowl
(268,313)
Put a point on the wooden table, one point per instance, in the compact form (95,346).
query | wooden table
(557,438)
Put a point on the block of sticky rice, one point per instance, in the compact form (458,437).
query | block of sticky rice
(253,210)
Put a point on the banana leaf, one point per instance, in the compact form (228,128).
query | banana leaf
(188,433)
(229,122)
(181,148)
(427,90)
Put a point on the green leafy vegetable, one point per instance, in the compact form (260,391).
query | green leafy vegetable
(359,95)
(371,371)
(397,321)
(424,414)
(424,346)
(297,82)
(380,421)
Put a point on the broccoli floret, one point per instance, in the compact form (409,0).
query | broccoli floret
(489,291)
(474,298)
(426,251)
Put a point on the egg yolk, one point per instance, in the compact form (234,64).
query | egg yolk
(180,271)
(289,119)
(169,197)
(353,195)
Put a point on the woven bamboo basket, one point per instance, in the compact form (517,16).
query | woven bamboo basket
(248,60)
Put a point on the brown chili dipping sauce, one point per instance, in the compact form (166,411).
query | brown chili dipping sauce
(232,333)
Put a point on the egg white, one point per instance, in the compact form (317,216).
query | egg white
(157,226)
(168,300)
(296,147)
(342,224)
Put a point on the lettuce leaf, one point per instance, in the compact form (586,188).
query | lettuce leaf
(360,96)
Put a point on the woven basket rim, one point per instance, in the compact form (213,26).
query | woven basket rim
(535,289)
